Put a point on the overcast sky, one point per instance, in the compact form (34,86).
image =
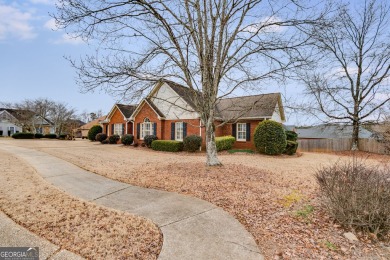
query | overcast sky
(32,58)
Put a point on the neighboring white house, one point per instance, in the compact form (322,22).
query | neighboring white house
(15,120)
(7,124)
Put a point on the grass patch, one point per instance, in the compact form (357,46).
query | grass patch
(330,245)
(294,197)
(305,212)
(240,151)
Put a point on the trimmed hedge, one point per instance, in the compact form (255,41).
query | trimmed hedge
(291,147)
(291,136)
(224,142)
(192,143)
(127,139)
(270,138)
(50,136)
(148,139)
(113,139)
(38,135)
(167,145)
(96,129)
(23,136)
(62,137)
(100,137)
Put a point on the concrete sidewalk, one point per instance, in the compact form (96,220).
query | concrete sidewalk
(13,235)
(192,228)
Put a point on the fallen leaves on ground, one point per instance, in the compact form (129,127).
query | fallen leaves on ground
(92,231)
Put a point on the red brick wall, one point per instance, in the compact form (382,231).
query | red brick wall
(147,111)
(118,118)
(192,127)
(227,130)
(164,126)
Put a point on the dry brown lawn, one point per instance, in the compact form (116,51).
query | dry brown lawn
(92,231)
(275,198)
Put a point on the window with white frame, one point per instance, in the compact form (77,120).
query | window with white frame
(118,129)
(146,128)
(179,131)
(241,131)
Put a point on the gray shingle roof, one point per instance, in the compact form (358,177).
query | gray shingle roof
(127,110)
(154,107)
(255,106)
(189,95)
(330,131)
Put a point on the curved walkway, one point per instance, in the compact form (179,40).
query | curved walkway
(192,228)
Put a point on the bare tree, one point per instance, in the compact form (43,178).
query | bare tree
(351,80)
(214,47)
(61,115)
(86,116)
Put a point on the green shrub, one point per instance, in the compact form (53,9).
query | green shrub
(291,136)
(357,195)
(105,141)
(113,139)
(50,136)
(38,135)
(100,137)
(96,129)
(224,142)
(62,137)
(167,145)
(148,139)
(192,143)
(23,136)
(291,147)
(127,139)
(270,138)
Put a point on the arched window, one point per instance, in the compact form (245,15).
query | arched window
(146,128)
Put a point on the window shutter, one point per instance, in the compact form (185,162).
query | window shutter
(112,129)
(172,131)
(138,130)
(248,131)
(234,130)
(123,129)
(155,129)
(184,129)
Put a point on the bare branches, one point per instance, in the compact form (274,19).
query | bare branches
(351,80)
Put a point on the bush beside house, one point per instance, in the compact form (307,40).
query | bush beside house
(113,139)
(96,129)
(23,136)
(167,145)
(224,142)
(100,137)
(148,139)
(127,139)
(270,138)
(192,143)
(292,144)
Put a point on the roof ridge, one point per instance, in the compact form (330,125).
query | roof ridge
(273,93)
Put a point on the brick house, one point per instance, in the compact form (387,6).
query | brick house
(170,113)
(117,121)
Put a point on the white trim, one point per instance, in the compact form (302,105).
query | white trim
(111,112)
(182,131)
(237,132)
(138,109)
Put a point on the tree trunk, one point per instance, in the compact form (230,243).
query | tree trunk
(355,135)
(211,147)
